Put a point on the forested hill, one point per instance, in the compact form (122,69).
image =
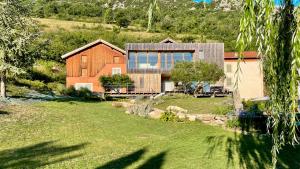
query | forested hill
(171,17)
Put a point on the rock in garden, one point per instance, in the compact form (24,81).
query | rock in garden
(191,117)
(156,113)
(121,104)
(176,109)
(181,115)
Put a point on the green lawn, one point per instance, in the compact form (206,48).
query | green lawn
(218,105)
(95,135)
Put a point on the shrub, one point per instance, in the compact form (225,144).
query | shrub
(71,91)
(33,84)
(257,107)
(169,116)
(233,123)
(48,71)
(56,87)
(223,110)
(83,93)
(17,91)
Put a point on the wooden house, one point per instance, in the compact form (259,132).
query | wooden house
(149,64)
(86,64)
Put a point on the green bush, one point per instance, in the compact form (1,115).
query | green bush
(71,91)
(33,84)
(56,87)
(257,107)
(13,90)
(48,71)
(233,123)
(223,110)
(169,116)
(82,93)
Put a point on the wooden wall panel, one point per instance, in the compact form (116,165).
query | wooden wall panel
(152,82)
(97,57)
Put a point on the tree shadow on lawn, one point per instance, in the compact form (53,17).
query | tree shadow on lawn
(155,161)
(37,155)
(253,151)
(3,112)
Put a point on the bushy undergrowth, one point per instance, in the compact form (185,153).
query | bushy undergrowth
(169,116)
(48,71)
(256,107)
(223,110)
(32,84)
(83,93)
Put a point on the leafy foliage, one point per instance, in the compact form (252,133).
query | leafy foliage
(115,82)
(122,20)
(17,33)
(277,34)
(188,72)
(181,16)
(82,93)
(169,116)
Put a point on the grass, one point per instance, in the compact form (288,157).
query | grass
(218,105)
(72,134)
(52,25)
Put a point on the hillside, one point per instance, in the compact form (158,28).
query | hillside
(176,18)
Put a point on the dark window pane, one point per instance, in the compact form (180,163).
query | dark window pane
(142,60)
(131,60)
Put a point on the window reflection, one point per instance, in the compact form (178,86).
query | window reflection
(150,60)
(153,60)
(163,60)
(131,60)
(142,60)
(188,57)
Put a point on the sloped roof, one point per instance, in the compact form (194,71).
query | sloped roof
(168,40)
(92,44)
(247,55)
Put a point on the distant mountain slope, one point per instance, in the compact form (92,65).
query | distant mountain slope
(173,17)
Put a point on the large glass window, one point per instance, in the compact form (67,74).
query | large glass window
(188,57)
(178,57)
(142,60)
(153,60)
(131,60)
(163,60)
(169,61)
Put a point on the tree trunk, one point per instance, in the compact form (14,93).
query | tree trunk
(3,85)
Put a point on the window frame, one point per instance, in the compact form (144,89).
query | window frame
(114,72)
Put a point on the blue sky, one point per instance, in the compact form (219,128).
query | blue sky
(296,2)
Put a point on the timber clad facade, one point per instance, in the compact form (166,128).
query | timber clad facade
(149,65)
(85,65)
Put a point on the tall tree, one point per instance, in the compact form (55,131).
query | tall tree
(17,33)
(276,30)
(152,7)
